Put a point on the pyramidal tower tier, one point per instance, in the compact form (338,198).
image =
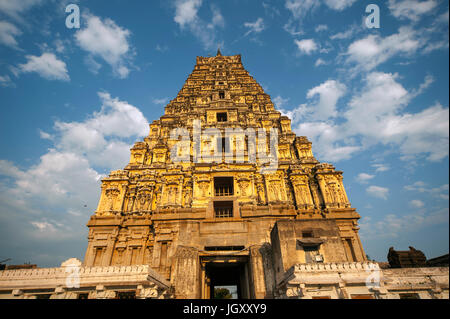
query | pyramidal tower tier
(220,174)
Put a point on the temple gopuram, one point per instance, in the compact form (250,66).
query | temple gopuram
(222,194)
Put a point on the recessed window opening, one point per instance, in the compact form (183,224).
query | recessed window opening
(223,209)
(221,95)
(310,253)
(223,186)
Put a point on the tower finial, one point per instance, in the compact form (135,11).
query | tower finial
(218,52)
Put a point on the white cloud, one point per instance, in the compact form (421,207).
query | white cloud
(254,27)
(325,97)
(43,226)
(47,66)
(418,186)
(363,178)
(347,34)
(411,9)
(8,34)
(14,8)
(339,5)
(61,46)
(320,62)
(380,97)
(381,167)
(394,225)
(45,135)
(301,8)
(186,16)
(329,93)
(8,169)
(161,101)
(6,81)
(314,120)
(417,203)
(186,11)
(59,178)
(57,195)
(437,192)
(93,66)
(321,27)
(217,19)
(425,132)
(443,18)
(103,134)
(280,102)
(270,10)
(161,48)
(436,46)
(378,191)
(326,137)
(107,40)
(373,50)
(306,46)
(375,115)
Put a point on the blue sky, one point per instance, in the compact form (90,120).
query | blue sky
(374,102)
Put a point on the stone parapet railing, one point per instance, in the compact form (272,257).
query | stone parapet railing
(365,278)
(88,276)
(347,266)
(330,273)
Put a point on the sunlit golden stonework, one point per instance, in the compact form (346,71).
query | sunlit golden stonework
(222,199)
(181,217)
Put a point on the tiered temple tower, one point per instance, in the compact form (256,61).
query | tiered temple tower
(196,203)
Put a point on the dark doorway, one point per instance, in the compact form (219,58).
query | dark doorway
(227,280)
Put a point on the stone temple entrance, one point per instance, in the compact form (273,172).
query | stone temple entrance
(222,273)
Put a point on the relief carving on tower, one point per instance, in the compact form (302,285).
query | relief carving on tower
(172,191)
(130,198)
(187,193)
(304,149)
(144,198)
(113,193)
(211,117)
(284,152)
(159,154)
(276,187)
(302,191)
(260,190)
(244,183)
(202,186)
(285,125)
(331,186)
(138,153)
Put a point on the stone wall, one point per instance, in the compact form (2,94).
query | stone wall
(362,280)
(72,281)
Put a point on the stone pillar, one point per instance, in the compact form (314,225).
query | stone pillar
(185,275)
(109,249)
(257,274)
